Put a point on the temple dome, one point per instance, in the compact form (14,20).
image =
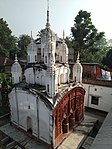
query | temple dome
(16,67)
(32,46)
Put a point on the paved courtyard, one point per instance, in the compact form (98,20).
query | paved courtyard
(73,141)
(80,133)
(21,137)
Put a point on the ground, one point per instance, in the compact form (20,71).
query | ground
(4,110)
(82,136)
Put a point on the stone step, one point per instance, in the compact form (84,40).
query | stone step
(10,145)
(4,140)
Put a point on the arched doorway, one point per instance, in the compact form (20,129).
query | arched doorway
(65,125)
(29,125)
(77,115)
(71,120)
(68,112)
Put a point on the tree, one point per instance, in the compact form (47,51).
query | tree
(23,42)
(85,35)
(7,41)
(5,88)
(107,60)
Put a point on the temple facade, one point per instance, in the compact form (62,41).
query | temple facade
(46,104)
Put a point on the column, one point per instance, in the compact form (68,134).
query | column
(65,125)
(72,120)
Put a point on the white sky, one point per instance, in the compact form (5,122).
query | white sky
(26,15)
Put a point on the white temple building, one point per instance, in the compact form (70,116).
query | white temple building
(47,104)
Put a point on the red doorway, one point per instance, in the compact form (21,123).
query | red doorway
(68,112)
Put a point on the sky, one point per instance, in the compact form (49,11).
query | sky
(24,16)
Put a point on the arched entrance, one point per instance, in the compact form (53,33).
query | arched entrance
(68,112)
(65,124)
(79,112)
(71,120)
(29,125)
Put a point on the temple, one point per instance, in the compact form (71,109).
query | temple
(44,101)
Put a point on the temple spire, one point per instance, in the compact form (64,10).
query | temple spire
(31,37)
(31,34)
(47,24)
(63,36)
(78,61)
(16,60)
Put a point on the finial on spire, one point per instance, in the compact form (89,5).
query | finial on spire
(47,24)
(31,37)
(63,34)
(16,60)
(31,34)
(78,58)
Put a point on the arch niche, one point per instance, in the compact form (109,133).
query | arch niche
(68,113)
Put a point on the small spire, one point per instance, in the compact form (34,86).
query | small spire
(63,34)
(47,24)
(78,61)
(16,60)
(31,37)
(31,34)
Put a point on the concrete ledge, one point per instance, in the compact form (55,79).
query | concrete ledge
(4,140)
(4,115)
(10,145)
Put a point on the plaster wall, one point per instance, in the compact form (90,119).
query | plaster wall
(40,77)
(24,104)
(29,76)
(13,106)
(16,77)
(102,92)
(44,122)
(27,108)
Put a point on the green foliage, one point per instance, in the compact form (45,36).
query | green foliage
(107,60)
(4,90)
(85,35)
(86,39)
(23,42)
(6,83)
(7,41)
(98,55)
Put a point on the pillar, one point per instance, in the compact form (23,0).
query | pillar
(72,119)
(65,125)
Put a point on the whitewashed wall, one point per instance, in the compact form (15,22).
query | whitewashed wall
(32,52)
(62,75)
(13,106)
(44,122)
(104,94)
(29,76)
(19,102)
(63,53)
(40,114)
(40,77)
(26,99)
